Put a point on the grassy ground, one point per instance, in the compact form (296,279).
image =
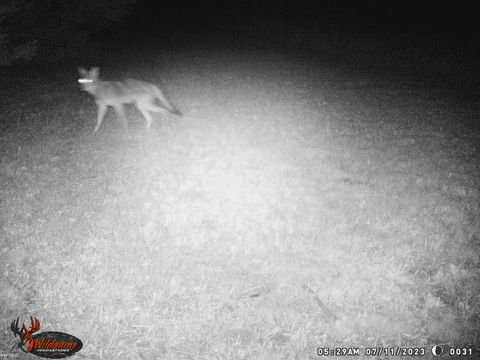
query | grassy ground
(294,206)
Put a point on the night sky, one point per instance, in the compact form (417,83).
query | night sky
(368,17)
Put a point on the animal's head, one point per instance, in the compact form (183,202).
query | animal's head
(88,78)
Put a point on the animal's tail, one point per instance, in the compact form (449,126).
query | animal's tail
(165,102)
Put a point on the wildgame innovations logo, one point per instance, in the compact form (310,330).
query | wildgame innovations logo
(48,344)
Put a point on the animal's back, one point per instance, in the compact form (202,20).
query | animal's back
(128,91)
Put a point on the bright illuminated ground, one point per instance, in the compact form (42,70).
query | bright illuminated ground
(285,186)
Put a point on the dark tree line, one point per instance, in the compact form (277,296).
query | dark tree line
(54,29)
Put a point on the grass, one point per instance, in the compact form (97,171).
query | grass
(284,212)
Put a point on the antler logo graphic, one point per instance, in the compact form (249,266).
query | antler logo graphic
(25,333)
(47,344)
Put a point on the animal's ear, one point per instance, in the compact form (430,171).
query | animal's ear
(94,72)
(82,71)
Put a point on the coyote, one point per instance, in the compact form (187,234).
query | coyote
(117,93)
